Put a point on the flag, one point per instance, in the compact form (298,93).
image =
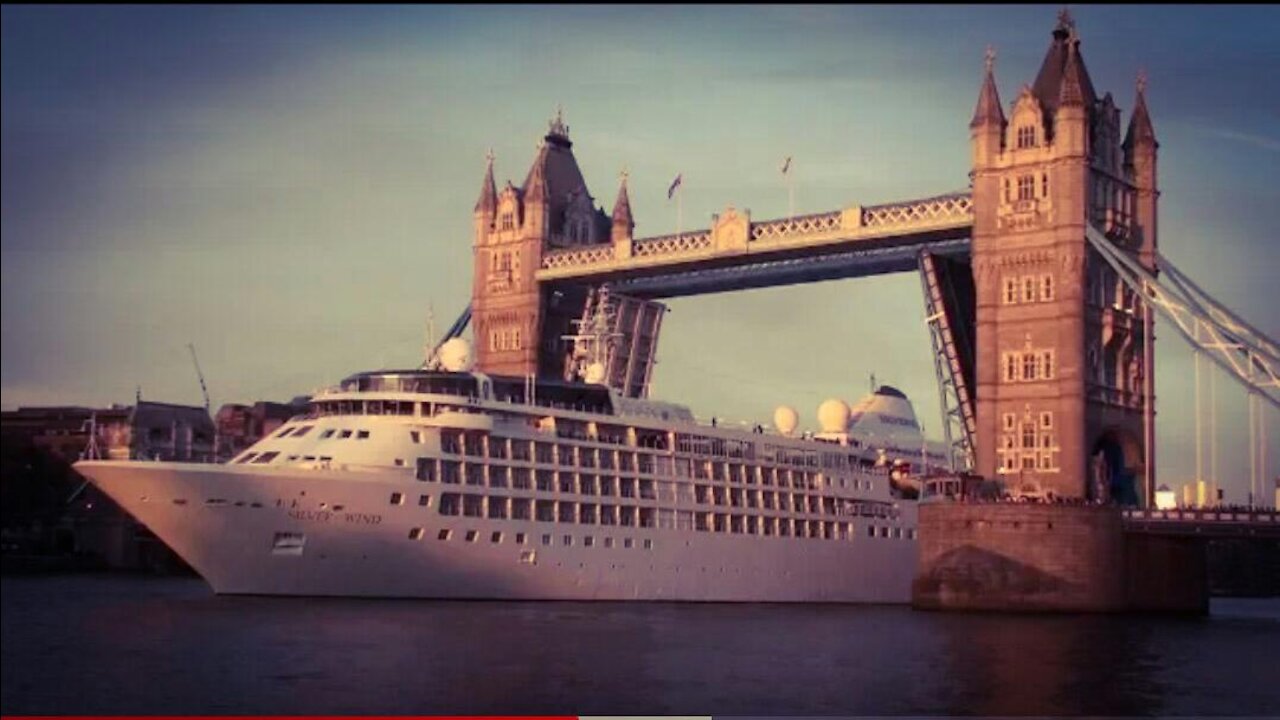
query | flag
(671,191)
(786,165)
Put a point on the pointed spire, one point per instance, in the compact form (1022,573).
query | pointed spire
(1140,128)
(988,110)
(1048,85)
(1066,23)
(622,206)
(557,131)
(488,202)
(1071,92)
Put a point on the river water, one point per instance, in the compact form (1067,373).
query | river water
(116,644)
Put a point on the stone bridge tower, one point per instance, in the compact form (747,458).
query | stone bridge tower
(517,324)
(1063,351)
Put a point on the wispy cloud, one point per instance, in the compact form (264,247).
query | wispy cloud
(1260,141)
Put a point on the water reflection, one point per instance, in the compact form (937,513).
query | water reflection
(115,645)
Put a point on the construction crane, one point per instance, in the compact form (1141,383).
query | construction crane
(200,375)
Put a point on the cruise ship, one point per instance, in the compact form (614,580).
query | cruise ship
(458,484)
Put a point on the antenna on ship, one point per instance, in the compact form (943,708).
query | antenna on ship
(593,344)
(203,390)
(90,452)
(91,447)
(430,348)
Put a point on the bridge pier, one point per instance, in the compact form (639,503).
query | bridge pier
(1035,557)
(1166,574)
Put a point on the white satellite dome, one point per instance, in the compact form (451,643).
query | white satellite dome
(833,416)
(785,419)
(456,356)
(595,373)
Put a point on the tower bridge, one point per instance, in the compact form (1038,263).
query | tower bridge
(736,253)
(1042,281)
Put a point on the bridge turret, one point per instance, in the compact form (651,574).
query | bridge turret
(986,130)
(487,206)
(1071,119)
(623,224)
(517,322)
(537,197)
(1140,150)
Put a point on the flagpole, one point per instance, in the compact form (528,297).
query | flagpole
(791,187)
(679,210)
(788,177)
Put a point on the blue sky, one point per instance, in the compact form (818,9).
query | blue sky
(290,188)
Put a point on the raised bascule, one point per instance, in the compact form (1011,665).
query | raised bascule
(1041,285)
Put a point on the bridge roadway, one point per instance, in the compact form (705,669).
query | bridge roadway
(1208,522)
(736,253)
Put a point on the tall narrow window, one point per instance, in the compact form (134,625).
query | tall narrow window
(1027,187)
(1029,361)
(1047,364)
(1029,289)
(1010,367)
(1010,291)
(1044,185)
(1046,288)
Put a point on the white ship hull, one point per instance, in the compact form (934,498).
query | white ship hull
(237,524)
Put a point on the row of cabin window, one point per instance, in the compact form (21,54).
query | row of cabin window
(1028,289)
(771,500)
(342,434)
(624,516)
(1028,366)
(479,443)
(714,446)
(522,478)
(496,537)
(790,527)
(502,508)
(604,459)
(782,455)
(405,408)
(266,457)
